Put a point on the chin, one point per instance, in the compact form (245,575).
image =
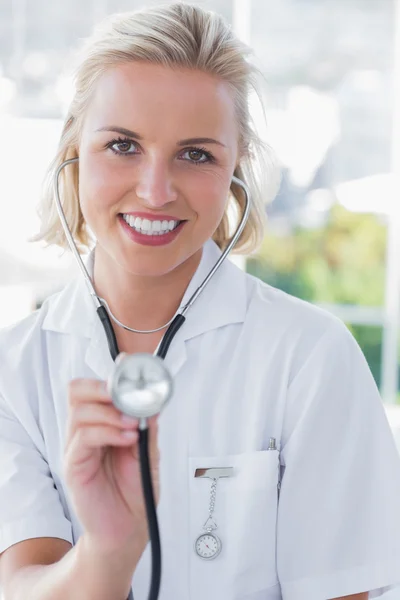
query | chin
(151,266)
(152,261)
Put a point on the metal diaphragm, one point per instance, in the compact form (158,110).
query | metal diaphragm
(140,385)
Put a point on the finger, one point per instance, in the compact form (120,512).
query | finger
(92,413)
(82,452)
(84,390)
(97,436)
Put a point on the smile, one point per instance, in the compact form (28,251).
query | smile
(147,227)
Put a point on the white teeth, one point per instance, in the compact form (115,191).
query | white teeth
(147,227)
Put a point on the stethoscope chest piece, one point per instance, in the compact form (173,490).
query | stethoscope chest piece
(140,384)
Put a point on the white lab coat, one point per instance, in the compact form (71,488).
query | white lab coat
(250,363)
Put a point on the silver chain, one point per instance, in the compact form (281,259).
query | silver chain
(213,495)
(210,524)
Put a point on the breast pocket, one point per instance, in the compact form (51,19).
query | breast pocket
(245,513)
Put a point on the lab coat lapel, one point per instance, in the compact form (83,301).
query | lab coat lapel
(98,357)
(223,300)
(177,354)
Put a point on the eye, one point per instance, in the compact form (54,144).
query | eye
(198,155)
(122,146)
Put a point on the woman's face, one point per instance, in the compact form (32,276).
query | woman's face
(157,152)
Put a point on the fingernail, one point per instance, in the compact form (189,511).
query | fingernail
(129,434)
(129,420)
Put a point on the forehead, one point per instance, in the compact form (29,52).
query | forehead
(163,99)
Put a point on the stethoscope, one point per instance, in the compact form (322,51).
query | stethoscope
(140,384)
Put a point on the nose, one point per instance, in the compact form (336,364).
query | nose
(154,184)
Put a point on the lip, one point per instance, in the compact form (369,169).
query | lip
(150,240)
(152,216)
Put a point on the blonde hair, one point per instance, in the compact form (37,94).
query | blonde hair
(178,36)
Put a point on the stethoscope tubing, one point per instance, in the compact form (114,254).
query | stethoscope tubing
(161,352)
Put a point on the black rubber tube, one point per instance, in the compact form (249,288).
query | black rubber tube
(147,485)
(169,335)
(154,533)
(108,328)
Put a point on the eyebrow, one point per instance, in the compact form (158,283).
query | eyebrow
(133,134)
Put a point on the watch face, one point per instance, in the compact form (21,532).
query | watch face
(208,546)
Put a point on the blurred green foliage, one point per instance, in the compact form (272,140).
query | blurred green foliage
(341,262)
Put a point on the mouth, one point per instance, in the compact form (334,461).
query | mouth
(150,227)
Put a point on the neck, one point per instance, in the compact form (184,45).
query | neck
(141,302)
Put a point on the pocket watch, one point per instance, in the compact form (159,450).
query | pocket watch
(208,545)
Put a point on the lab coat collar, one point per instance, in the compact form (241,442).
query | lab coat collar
(222,302)
(71,310)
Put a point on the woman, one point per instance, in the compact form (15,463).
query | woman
(265,384)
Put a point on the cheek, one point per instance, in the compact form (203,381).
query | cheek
(100,187)
(209,199)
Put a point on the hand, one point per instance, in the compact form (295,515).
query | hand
(102,468)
